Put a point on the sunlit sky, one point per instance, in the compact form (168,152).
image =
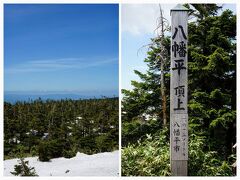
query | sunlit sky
(61,47)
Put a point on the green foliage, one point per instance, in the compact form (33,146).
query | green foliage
(88,145)
(100,141)
(203,162)
(34,150)
(150,157)
(69,154)
(22,169)
(51,129)
(211,99)
(50,149)
(147,158)
(135,130)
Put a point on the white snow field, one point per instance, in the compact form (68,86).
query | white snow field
(101,164)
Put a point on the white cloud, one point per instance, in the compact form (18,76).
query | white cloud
(58,64)
(139,19)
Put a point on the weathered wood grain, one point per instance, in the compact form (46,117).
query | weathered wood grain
(179,93)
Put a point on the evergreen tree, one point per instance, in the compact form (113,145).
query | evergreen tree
(52,129)
(212,90)
(22,169)
(212,78)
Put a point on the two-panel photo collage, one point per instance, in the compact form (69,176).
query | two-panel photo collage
(119,89)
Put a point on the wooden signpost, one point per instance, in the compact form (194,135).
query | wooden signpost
(178,92)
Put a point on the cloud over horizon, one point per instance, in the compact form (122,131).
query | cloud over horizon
(58,64)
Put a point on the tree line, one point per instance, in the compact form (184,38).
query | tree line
(60,128)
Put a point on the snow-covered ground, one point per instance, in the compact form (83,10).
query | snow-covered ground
(102,164)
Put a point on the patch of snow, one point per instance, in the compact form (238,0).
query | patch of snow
(14,140)
(101,164)
(33,131)
(45,136)
(147,117)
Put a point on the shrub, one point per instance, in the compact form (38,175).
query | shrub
(147,158)
(205,163)
(87,145)
(34,150)
(151,157)
(105,143)
(69,153)
(50,149)
(100,142)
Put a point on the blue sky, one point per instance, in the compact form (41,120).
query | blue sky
(138,24)
(72,48)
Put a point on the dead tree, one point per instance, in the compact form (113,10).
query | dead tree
(162,57)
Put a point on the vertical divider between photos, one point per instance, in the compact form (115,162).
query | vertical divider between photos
(120,84)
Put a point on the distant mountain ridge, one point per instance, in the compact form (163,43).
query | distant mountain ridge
(13,98)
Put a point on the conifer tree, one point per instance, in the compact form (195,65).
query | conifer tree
(211,103)
(212,80)
(22,169)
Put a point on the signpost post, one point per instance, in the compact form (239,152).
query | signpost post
(179,92)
